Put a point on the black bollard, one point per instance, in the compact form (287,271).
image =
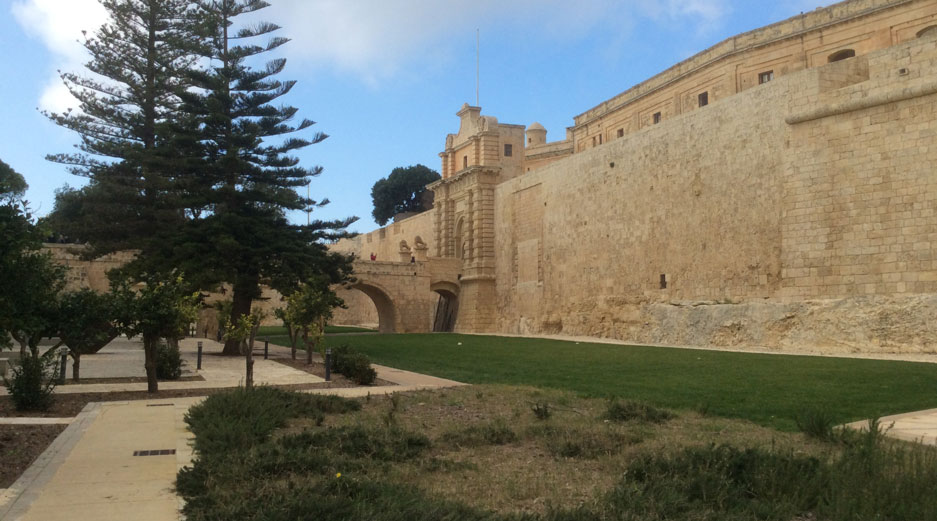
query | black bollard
(198,366)
(328,364)
(64,363)
(266,347)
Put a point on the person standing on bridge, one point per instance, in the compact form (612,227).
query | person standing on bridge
(373,256)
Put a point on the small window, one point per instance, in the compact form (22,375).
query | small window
(621,132)
(529,140)
(464,161)
(663,281)
(508,150)
(600,139)
(656,118)
(927,31)
(703,99)
(765,77)
(842,55)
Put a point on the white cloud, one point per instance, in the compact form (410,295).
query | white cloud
(374,39)
(58,24)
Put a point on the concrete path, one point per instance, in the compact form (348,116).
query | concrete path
(124,358)
(919,426)
(90,471)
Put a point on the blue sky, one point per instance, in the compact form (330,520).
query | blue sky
(384,78)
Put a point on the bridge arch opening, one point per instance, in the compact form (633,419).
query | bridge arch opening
(447,306)
(386,312)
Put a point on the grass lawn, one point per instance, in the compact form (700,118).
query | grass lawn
(771,390)
(280,331)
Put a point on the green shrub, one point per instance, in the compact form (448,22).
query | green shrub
(32,379)
(243,417)
(358,368)
(541,410)
(169,362)
(340,355)
(631,410)
(817,423)
(354,365)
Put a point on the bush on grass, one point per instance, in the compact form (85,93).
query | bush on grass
(354,365)
(31,381)
(631,410)
(817,424)
(169,362)
(494,433)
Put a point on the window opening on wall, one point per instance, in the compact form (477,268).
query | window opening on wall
(621,132)
(765,77)
(464,161)
(530,140)
(703,99)
(929,30)
(508,150)
(663,281)
(656,118)
(600,139)
(842,55)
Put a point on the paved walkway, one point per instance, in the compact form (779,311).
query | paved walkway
(919,426)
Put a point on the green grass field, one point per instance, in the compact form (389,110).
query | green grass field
(771,390)
(279,331)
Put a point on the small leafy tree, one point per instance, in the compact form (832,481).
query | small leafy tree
(87,322)
(309,308)
(404,190)
(30,281)
(285,317)
(162,308)
(32,380)
(243,332)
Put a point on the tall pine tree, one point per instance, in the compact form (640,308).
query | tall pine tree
(127,119)
(249,178)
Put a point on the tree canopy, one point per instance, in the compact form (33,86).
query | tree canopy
(404,190)
(12,184)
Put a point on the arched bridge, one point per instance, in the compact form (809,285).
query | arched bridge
(411,297)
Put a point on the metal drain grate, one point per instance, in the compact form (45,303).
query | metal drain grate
(160,404)
(157,452)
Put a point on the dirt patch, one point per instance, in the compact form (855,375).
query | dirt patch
(318,369)
(20,445)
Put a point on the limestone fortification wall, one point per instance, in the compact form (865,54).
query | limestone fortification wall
(385,242)
(798,214)
(737,64)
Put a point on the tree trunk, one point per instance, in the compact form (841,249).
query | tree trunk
(249,380)
(241,305)
(310,346)
(150,345)
(76,364)
(293,337)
